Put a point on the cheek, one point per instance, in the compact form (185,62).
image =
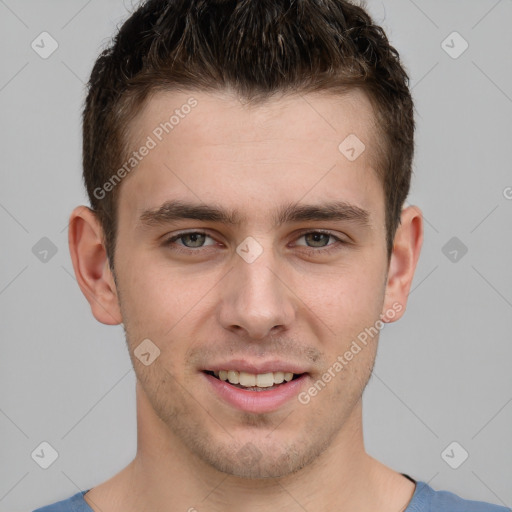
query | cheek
(144,295)
(349,298)
(159,301)
(152,309)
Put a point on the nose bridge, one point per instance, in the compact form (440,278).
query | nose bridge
(254,297)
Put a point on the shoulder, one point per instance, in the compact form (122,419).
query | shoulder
(74,504)
(426,499)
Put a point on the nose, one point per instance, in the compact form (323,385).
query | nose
(255,301)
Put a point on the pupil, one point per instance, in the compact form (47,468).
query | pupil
(197,239)
(317,238)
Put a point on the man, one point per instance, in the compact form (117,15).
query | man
(247,165)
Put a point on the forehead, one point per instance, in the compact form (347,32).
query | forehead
(214,147)
(223,117)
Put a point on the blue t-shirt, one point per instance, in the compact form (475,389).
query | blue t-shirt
(424,499)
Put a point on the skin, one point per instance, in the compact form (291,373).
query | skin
(210,305)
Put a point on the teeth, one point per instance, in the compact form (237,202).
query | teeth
(279,377)
(247,379)
(233,377)
(265,380)
(261,380)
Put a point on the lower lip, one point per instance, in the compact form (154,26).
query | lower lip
(257,401)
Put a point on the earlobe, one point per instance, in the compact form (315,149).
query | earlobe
(91,266)
(404,258)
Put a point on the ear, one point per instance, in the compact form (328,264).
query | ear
(91,266)
(406,251)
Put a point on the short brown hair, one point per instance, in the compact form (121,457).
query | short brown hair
(256,48)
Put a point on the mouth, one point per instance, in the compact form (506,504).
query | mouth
(254,382)
(256,387)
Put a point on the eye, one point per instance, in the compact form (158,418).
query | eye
(195,239)
(319,240)
(316,239)
(313,242)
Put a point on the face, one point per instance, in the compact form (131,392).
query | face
(249,242)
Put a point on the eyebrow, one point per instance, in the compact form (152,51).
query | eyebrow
(172,211)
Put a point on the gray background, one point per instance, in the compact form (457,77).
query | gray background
(443,371)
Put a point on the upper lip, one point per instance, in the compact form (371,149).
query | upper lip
(257,368)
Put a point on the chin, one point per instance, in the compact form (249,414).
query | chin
(259,458)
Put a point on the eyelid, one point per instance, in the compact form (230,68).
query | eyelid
(171,239)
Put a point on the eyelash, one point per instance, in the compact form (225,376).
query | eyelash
(310,250)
